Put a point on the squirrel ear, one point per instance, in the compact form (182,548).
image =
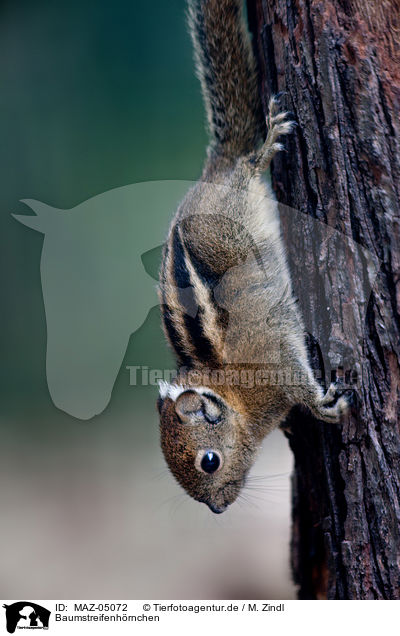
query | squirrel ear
(192,405)
(189,405)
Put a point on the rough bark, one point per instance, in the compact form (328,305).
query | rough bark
(339,63)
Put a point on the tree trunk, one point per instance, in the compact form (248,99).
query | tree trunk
(339,63)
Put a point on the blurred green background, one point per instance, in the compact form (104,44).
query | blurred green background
(93,96)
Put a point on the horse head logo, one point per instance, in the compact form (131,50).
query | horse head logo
(96,291)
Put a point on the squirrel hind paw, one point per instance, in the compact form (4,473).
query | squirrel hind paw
(273,104)
(278,124)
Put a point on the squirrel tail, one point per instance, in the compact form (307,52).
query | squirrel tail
(226,69)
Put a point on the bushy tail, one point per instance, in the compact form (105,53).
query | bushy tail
(226,69)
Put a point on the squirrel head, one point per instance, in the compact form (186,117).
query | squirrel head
(209,447)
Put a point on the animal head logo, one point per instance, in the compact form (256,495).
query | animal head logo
(25,614)
(97,292)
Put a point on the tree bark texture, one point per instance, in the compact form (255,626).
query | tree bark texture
(339,63)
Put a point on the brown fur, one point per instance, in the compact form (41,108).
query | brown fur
(225,289)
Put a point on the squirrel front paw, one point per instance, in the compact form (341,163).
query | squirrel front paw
(332,406)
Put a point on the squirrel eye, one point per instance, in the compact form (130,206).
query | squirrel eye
(208,461)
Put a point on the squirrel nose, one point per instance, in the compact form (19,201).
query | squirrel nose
(217,509)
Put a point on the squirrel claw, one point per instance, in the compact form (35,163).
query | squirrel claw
(332,406)
(277,124)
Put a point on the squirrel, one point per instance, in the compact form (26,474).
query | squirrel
(225,292)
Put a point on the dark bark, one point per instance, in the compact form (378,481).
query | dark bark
(338,61)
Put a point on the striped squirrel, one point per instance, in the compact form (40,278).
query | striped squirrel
(227,304)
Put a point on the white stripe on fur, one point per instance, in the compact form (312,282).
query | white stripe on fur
(173,391)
